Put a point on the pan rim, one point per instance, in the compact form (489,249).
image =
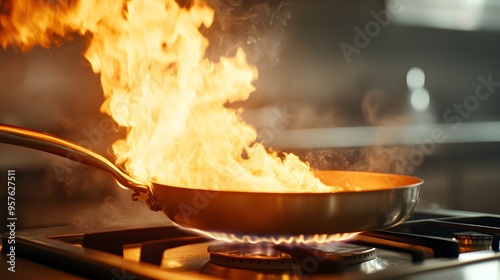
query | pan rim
(418,183)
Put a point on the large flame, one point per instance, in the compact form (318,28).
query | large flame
(159,85)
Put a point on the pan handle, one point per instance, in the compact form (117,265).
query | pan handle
(54,145)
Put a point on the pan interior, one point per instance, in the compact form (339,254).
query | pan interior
(364,181)
(349,181)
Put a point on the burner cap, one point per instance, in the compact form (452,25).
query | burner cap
(284,257)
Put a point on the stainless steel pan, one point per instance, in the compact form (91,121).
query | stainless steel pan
(383,200)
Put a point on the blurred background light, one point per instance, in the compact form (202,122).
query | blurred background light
(448,14)
(415,78)
(419,99)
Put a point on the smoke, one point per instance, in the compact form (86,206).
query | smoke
(66,181)
(378,108)
(118,210)
(338,159)
(386,159)
(100,203)
(258,28)
(103,204)
(381,109)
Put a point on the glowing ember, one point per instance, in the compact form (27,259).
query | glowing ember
(161,88)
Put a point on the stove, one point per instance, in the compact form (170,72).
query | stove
(431,244)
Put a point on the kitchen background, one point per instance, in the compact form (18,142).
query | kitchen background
(389,86)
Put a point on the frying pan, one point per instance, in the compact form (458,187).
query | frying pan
(383,200)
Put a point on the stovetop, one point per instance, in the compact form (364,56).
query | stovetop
(432,244)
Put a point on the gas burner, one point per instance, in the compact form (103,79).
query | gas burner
(473,241)
(324,256)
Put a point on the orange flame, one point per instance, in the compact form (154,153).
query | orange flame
(26,23)
(159,85)
(303,239)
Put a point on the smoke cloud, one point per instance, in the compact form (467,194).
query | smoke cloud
(118,210)
(257,27)
(379,110)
